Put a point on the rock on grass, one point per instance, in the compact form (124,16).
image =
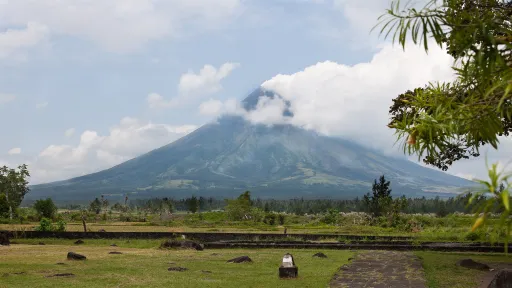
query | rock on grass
(502,279)
(320,255)
(469,263)
(181,244)
(178,269)
(240,259)
(75,256)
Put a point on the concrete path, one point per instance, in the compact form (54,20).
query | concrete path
(381,269)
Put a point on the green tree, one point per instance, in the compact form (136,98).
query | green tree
(95,206)
(446,122)
(168,204)
(240,208)
(14,185)
(379,201)
(4,207)
(193,204)
(45,208)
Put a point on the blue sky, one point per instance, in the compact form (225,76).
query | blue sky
(76,76)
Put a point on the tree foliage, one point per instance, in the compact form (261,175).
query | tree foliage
(240,208)
(446,122)
(45,208)
(380,200)
(193,204)
(14,186)
(95,206)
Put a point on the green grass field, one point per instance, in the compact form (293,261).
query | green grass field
(441,270)
(143,264)
(29,266)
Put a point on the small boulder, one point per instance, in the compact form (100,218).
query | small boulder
(75,256)
(79,241)
(115,252)
(41,243)
(502,279)
(113,245)
(182,244)
(102,230)
(240,259)
(471,264)
(4,238)
(178,269)
(320,255)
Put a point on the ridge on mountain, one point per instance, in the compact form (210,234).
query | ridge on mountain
(230,155)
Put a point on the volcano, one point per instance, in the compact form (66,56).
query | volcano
(231,155)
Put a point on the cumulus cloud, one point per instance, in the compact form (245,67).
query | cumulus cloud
(69,132)
(352,101)
(12,41)
(207,81)
(193,85)
(6,98)
(120,25)
(213,107)
(14,151)
(128,139)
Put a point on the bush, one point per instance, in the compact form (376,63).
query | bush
(472,236)
(61,226)
(45,208)
(45,225)
(280,219)
(331,217)
(270,219)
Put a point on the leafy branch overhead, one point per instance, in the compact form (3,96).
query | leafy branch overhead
(446,122)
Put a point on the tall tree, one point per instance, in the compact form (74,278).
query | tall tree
(380,200)
(446,122)
(14,185)
(193,204)
(95,206)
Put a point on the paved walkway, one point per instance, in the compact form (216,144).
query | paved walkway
(381,269)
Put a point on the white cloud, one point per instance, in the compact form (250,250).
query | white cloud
(158,101)
(120,25)
(352,101)
(14,40)
(192,85)
(207,81)
(14,151)
(128,139)
(41,105)
(213,107)
(69,132)
(6,98)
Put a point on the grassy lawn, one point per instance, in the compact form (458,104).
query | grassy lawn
(441,270)
(138,267)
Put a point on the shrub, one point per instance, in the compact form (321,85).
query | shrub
(61,226)
(45,208)
(280,219)
(473,236)
(270,219)
(45,225)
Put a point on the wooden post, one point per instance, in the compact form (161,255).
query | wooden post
(83,222)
